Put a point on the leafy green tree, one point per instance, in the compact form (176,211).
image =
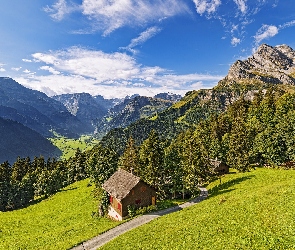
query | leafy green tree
(238,148)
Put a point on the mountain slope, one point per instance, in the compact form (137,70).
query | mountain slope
(36,110)
(268,66)
(131,110)
(18,140)
(83,106)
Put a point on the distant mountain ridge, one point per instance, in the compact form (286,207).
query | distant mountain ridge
(36,110)
(104,114)
(83,106)
(131,110)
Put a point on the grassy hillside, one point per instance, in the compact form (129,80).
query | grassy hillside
(253,210)
(59,222)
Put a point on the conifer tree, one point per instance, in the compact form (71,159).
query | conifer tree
(151,155)
(129,161)
(101,164)
(5,187)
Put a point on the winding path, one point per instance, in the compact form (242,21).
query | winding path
(102,239)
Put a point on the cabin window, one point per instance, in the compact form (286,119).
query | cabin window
(132,192)
(137,202)
(143,189)
(119,206)
(111,199)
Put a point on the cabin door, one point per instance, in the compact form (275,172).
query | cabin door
(153,200)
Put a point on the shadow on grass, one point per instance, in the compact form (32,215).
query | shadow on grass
(66,189)
(41,198)
(224,187)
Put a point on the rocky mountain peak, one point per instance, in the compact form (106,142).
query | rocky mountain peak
(268,64)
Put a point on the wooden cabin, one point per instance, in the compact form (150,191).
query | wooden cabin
(219,167)
(127,189)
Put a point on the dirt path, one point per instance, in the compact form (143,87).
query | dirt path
(102,239)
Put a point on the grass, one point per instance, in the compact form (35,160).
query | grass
(69,146)
(253,210)
(59,222)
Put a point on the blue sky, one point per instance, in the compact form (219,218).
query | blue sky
(121,47)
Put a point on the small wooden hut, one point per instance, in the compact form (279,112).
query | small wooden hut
(219,167)
(126,189)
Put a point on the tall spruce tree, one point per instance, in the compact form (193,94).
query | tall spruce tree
(151,156)
(101,164)
(129,161)
(5,186)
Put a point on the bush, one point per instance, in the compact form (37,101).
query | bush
(131,211)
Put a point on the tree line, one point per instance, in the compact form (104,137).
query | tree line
(26,180)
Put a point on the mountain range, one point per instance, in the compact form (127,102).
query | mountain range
(68,115)
(115,120)
(268,66)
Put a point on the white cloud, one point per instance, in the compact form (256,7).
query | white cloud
(82,70)
(2,70)
(142,38)
(109,15)
(209,6)
(16,69)
(27,60)
(287,25)
(241,5)
(235,41)
(50,69)
(60,9)
(265,32)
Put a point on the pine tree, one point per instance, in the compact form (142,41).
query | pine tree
(129,161)
(101,164)
(5,187)
(151,155)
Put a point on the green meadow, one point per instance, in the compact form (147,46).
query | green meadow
(253,210)
(60,222)
(69,146)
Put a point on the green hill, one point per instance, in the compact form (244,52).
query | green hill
(253,210)
(59,222)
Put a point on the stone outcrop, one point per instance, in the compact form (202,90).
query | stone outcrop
(268,64)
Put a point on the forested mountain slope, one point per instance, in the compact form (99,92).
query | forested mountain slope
(18,140)
(131,110)
(267,67)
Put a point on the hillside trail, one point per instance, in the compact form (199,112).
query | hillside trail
(102,239)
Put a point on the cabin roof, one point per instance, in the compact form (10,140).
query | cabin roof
(120,184)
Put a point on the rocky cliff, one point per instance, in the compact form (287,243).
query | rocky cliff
(275,65)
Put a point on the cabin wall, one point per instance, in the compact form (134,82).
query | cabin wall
(115,208)
(140,196)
